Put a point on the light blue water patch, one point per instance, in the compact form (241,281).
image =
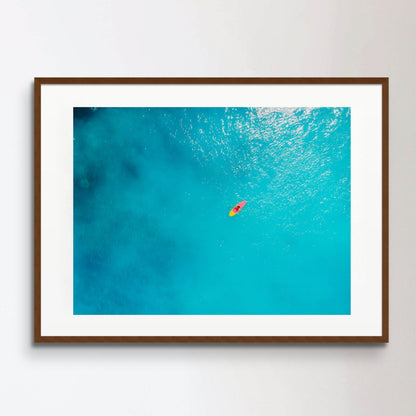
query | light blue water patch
(153,188)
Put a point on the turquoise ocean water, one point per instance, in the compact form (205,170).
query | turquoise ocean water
(153,188)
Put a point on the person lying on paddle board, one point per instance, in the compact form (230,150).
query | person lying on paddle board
(237,208)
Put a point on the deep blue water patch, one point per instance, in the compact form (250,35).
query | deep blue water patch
(152,191)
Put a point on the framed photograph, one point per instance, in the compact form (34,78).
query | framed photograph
(211,210)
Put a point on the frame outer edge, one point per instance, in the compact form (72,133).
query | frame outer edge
(38,338)
(37,212)
(385,210)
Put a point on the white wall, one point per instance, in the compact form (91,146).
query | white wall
(205,38)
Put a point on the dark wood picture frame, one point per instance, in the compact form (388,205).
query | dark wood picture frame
(38,338)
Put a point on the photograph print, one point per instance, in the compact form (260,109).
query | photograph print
(211,211)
